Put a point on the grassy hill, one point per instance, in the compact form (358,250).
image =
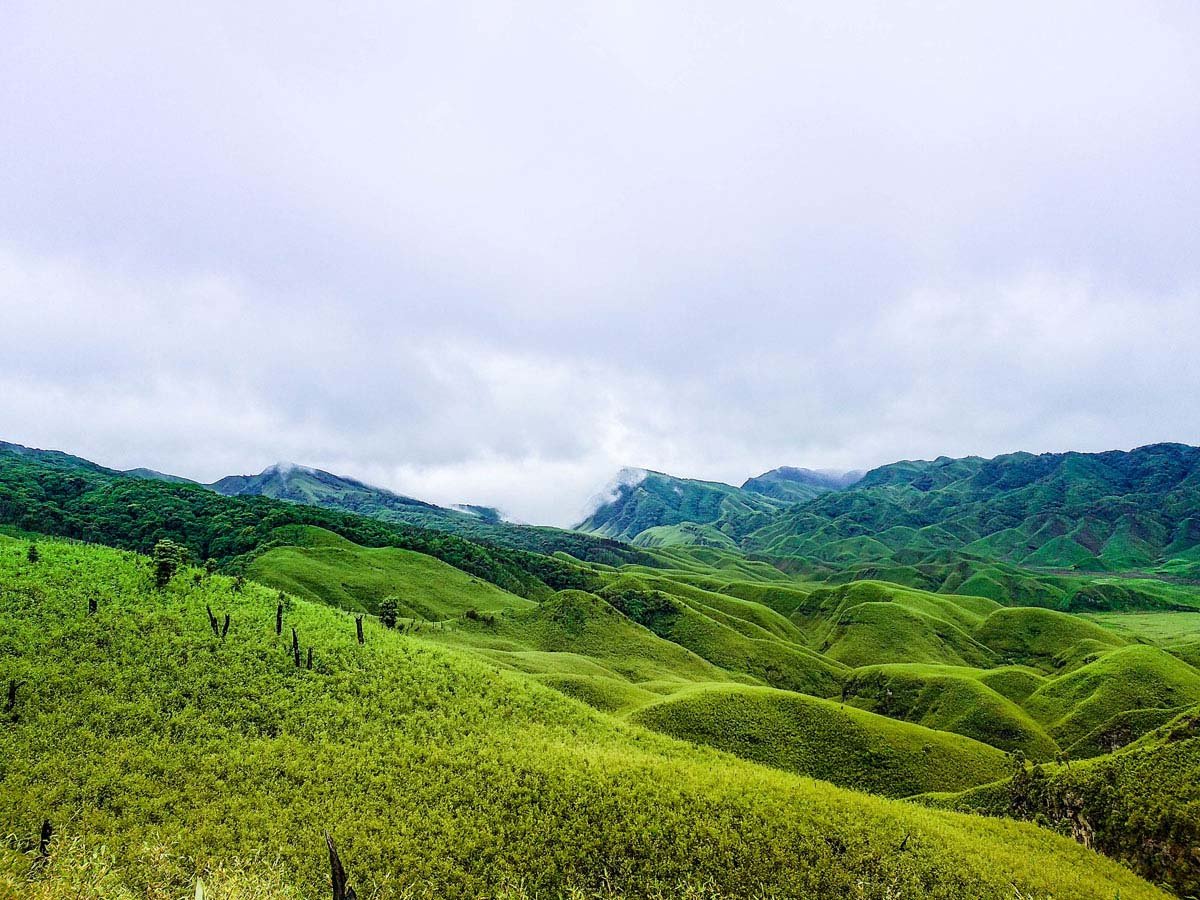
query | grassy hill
(956,699)
(1100,512)
(319,565)
(645,500)
(1140,804)
(824,739)
(1129,678)
(139,729)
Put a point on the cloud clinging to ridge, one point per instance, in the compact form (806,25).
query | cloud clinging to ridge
(491,255)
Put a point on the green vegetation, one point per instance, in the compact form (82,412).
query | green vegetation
(319,565)
(647,500)
(950,698)
(1043,638)
(138,729)
(1098,512)
(1140,805)
(593,719)
(824,739)
(313,487)
(1129,678)
(63,495)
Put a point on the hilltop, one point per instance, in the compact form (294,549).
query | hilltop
(683,651)
(436,777)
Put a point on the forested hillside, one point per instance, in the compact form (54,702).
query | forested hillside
(691,689)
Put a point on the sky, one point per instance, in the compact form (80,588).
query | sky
(491,253)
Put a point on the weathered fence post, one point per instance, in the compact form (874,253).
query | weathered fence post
(225,627)
(295,647)
(358,626)
(337,874)
(13,685)
(279,618)
(43,851)
(92,605)
(308,665)
(212,621)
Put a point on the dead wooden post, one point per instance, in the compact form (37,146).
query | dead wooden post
(11,705)
(337,874)
(92,604)
(43,851)
(295,647)
(279,618)
(225,627)
(358,625)
(212,621)
(308,665)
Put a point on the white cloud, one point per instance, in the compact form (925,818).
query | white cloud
(491,255)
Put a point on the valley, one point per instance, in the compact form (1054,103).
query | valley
(906,684)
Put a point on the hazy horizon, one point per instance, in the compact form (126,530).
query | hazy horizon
(485,255)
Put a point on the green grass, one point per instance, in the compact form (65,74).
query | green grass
(323,566)
(1140,804)
(584,625)
(824,739)
(438,776)
(957,699)
(1128,678)
(866,622)
(1043,638)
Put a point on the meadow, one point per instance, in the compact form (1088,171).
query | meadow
(163,751)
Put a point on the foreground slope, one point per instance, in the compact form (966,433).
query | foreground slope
(138,727)
(1140,805)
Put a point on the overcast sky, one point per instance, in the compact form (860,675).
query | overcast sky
(491,253)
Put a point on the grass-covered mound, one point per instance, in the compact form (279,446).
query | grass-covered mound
(868,622)
(1043,638)
(1125,679)
(736,635)
(824,739)
(1140,804)
(319,565)
(138,726)
(951,698)
(580,624)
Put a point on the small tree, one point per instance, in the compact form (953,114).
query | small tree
(33,554)
(389,609)
(168,557)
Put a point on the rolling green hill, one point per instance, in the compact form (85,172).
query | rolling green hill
(1140,804)
(644,500)
(182,752)
(319,565)
(824,739)
(1089,511)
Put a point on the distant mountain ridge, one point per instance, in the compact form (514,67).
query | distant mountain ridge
(1111,511)
(1136,510)
(315,487)
(796,485)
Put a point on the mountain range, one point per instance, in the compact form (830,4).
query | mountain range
(1118,511)
(593,700)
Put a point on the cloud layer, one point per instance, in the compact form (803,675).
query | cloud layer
(490,254)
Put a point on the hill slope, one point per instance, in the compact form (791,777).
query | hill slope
(642,500)
(137,726)
(1093,511)
(824,739)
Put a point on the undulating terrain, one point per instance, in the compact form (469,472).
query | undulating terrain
(960,678)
